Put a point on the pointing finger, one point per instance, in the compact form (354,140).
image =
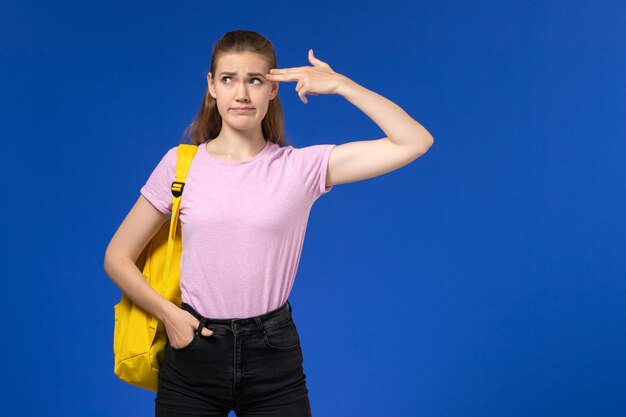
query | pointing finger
(285,70)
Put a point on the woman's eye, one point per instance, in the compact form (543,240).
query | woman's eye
(258,79)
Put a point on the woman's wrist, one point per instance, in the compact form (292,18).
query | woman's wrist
(346,87)
(166,311)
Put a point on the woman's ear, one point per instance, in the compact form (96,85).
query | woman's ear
(210,86)
(274,89)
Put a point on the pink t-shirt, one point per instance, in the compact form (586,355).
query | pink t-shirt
(243,224)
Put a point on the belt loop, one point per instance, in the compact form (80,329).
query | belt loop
(259,324)
(201,325)
(289,305)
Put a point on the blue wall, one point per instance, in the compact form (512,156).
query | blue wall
(486,278)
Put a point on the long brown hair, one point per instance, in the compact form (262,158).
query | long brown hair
(208,122)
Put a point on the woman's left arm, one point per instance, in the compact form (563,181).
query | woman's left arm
(353,161)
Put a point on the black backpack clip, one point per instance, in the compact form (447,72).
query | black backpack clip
(177,188)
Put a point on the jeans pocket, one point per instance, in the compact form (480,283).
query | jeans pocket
(283,336)
(187,346)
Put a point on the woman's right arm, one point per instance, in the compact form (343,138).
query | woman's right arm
(139,226)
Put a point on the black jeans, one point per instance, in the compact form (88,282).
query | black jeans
(252,366)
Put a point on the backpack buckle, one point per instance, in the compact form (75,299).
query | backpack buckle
(177,188)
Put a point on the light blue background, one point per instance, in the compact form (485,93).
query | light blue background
(486,278)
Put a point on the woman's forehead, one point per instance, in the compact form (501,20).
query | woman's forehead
(242,62)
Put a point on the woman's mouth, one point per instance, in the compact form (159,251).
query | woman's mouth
(242,110)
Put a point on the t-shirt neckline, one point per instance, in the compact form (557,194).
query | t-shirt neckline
(214,160)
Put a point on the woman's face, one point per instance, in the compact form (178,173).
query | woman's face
(240,82)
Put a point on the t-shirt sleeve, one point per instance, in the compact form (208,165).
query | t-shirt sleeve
(311,162)
(158,188)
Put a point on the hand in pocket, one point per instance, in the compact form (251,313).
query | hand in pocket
(181,327)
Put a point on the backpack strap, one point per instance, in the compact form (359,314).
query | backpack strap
(185,155)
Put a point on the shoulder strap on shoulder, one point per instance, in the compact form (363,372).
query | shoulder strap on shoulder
(185,155)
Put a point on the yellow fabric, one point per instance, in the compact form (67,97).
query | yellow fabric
(139,338)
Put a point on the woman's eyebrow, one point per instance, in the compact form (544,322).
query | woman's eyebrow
(251,74)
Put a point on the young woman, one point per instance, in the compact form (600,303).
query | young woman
(232,344)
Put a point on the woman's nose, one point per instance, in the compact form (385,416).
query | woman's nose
(242,92)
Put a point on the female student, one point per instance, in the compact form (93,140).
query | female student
(233,344)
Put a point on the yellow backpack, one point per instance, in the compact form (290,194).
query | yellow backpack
(139,338)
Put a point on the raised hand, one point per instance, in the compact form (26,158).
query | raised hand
(318,79)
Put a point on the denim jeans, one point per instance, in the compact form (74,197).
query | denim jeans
(252,366)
